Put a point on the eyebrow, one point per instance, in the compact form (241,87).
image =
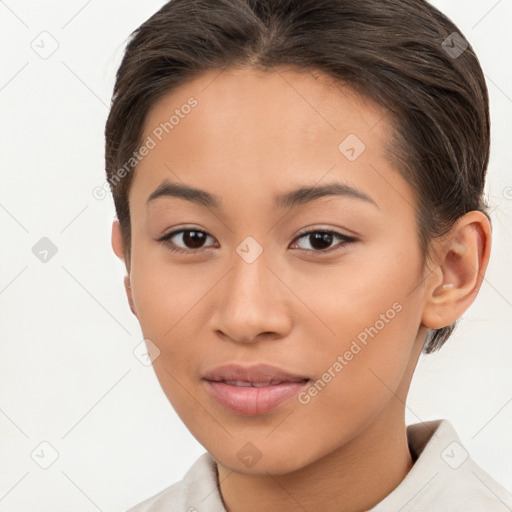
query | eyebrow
(291,199)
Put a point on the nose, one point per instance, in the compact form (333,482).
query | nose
(253,302)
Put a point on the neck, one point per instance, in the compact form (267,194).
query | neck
(352,478)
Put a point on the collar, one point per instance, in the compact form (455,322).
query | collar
(443,478)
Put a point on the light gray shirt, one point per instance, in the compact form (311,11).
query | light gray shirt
(443,478)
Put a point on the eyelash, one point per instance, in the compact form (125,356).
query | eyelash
(344,238)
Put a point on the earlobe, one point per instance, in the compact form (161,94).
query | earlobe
(118,247)
(129,294)
(455,282)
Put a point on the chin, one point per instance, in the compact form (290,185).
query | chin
(250,461)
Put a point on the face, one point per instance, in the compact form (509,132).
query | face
(323,284)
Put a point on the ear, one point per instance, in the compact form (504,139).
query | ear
(462,260)
(119,250)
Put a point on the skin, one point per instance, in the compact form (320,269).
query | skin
(254,135)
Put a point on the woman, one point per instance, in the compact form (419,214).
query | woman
(299,193)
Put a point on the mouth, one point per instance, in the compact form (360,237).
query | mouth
(252,390)
(260,374)
(246,384)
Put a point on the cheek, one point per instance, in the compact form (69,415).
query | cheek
(162,292)
(353,294)
(370,319)
(355,381)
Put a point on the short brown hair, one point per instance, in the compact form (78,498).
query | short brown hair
(404,54)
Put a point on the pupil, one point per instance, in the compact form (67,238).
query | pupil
(193,239)
(321,240)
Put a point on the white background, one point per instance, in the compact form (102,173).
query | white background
(68,375)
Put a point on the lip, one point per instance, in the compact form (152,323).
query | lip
(264,388)
(254,373)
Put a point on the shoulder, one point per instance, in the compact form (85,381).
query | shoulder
(444,476)
(462,483)
(165,498)
(198,490)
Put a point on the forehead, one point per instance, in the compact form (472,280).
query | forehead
(262,131)
(305,102)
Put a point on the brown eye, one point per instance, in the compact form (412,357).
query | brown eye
(192,240)
(321,241)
